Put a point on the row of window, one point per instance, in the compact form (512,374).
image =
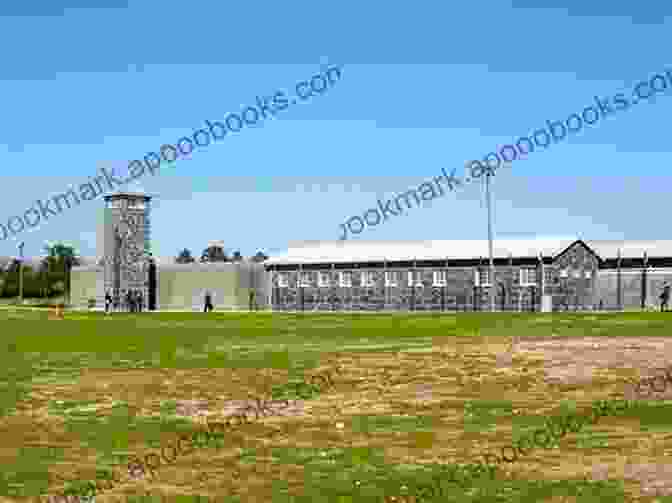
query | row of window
(130,203)
(527,277)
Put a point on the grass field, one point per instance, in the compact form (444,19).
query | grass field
(79,396)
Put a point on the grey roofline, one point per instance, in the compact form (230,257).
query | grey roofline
(366,251)
(117,195)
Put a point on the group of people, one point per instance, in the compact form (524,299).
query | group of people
(133,302)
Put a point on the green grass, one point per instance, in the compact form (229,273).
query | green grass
(652,415)
(364,477)
(368,424)
(56,355)
(482,415)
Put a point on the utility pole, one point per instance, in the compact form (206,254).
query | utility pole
(541,298)
(645,266)
(619,297)
(251,284)
(20,246)
(490,246)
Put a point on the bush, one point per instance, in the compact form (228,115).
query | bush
(34,285)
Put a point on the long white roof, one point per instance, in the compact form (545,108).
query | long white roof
(631,249)
(378,251)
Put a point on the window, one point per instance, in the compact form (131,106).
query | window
(390,278)
(368,280)
(136,203)
(346,279)
(528,276)
(588,274)
(563,273)
(440,278)
(283,280)
(482,277)
(414,278)
(306,279)
(323,279)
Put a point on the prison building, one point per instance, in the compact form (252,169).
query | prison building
(454,275)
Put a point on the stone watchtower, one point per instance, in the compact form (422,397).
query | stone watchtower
(126,244)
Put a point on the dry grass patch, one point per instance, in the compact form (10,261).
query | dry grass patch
(436,399)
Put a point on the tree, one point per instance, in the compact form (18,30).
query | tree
(184,257)
(13,266)
(259,257)
(62,253)
(66,256)
(3,279)
(10,279)
(44,269)
(214,253)
(237,257)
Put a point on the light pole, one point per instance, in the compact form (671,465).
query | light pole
(645,266)
(543,285)
(564,275)
(490,246)
(20,247)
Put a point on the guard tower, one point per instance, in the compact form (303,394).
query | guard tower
(126,246)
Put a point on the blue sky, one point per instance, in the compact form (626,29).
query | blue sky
(424,85)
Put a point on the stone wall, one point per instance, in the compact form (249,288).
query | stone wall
(576,289)
(573,290)
(460,292)
(134,210)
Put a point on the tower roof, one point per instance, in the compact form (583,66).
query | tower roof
(127,195)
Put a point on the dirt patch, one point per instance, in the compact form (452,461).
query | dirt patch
(617,363)
(655,479)
(574,361)
(397,386)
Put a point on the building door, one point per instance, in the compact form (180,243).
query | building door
(151,287)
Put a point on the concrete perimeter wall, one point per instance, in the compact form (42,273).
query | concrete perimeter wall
(183,286)
(86,283)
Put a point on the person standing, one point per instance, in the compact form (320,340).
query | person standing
(208,302)
(108,302)
(665,297)
(140,301)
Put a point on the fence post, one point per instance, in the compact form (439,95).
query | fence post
(645,266)
(619,299)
